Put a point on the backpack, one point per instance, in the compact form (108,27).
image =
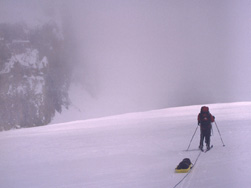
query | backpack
(204,109)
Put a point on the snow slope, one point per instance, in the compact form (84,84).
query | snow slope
(129,151)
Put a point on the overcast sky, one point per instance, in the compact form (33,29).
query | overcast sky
(138,55)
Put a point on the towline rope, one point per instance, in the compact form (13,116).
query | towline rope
(189,170)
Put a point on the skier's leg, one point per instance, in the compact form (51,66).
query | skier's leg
(201,140)
(207,138)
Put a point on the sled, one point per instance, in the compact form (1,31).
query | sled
(184,166)
(183,170)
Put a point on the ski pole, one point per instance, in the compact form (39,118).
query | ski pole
(219,133)
(192,137)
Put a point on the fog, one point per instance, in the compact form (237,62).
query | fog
(139,55)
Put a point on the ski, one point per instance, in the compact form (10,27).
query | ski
(209,148)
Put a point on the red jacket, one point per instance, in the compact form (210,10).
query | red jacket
(205,120)
(201,117)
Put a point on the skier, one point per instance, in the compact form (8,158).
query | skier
(205,118)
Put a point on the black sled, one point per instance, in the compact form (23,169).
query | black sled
(184,166)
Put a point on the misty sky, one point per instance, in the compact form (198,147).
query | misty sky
(138,55)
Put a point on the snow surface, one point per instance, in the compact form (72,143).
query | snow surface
(130,151)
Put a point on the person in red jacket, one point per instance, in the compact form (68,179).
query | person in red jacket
(205,119)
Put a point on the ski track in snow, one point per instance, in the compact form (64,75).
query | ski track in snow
(129,151)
